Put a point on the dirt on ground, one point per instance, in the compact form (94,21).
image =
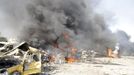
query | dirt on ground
(100,66)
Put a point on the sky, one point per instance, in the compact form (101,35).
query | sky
(122,12)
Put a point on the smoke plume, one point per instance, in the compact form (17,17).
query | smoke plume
(126,47)
(42,23)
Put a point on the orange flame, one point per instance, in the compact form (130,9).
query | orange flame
(110,53)
(70,59)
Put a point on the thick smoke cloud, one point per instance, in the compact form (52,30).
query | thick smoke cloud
(126,47)
(42,23)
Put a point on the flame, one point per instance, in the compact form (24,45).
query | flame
(71,52)
(110,53)
(70,59)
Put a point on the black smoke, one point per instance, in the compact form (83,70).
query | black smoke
(43,22)
(126,46)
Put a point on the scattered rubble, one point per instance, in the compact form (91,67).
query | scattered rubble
(16,58)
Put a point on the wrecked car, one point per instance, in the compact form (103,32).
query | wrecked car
(29,58)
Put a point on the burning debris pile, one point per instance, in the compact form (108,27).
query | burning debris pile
(59,30)
(24,59)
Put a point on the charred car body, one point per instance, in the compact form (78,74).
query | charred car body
(28,58)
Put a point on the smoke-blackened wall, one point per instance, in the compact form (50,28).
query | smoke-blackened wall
(43,22)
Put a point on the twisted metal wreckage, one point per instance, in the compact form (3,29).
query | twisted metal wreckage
(24,60)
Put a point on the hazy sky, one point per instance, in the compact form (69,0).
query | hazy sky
(123,12)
